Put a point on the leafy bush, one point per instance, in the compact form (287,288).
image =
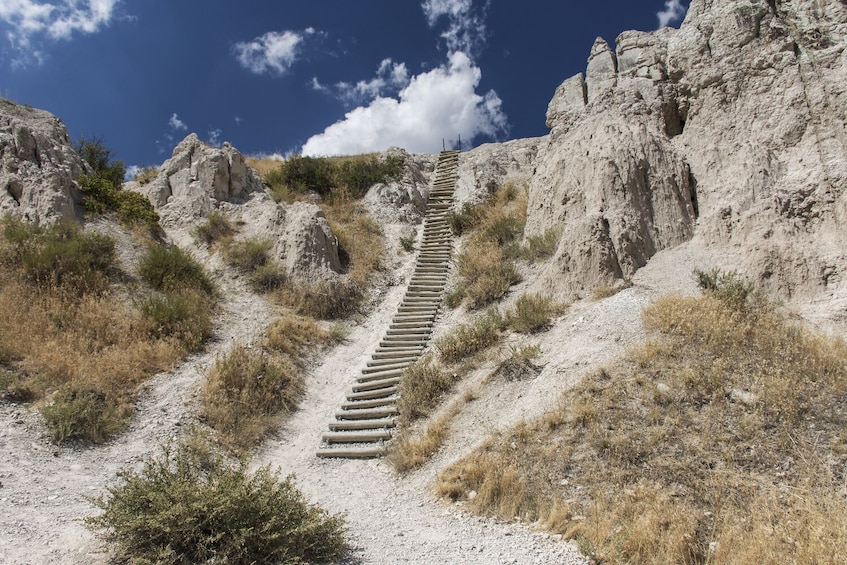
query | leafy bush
(217,227)
(60,256)
(170,269)
(540,247)
(80,413)
(407,243)
(486,274)
(465,219)
(182,509)
(181,315)
(468,339)
(101,159)
(247,391)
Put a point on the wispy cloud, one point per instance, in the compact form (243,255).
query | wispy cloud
(273,52)
(28,22)
(465,29)
(674,12)
(442,100)
(214,136)
(390,78)
(176,124)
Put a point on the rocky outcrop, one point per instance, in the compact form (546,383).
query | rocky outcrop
(301,239)
(402,200)
(483,169)
(730,129)
(38,166)
(197,178)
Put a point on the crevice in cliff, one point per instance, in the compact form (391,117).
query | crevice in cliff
(692,188)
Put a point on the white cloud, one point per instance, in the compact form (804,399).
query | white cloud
(176,124)
(274,52)
(214,136)
(132,171)
(316,85)
(390,76)
(441,103)
(674,11)
(31,20)
(465,24)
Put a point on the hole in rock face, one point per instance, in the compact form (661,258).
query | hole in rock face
(15,190)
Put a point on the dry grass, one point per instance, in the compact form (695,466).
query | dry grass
(76,349)
(486,266)
(410,451)
(720,440)
(249,391)
(361,241)
(422,386)
(468,339)
(532,313)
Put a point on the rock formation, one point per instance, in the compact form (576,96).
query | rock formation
(402,200)
(38,166)
(730,129)
(196,178)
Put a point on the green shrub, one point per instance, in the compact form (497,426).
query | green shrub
(532,313)
(82,414)
(465,219)
(101,159)
(217,227)
(407,243)
(468,339)
(422,385)
(171,269)
(182,509)
(729,288)
(331,177)
(62,256)
(182,315)
(246,393)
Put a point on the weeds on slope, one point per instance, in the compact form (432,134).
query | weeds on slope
(71,341)
(720,439)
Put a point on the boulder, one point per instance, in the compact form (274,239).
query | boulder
(402,200)
(198,177)
(38,166)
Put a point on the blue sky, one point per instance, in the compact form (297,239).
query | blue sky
(321,77)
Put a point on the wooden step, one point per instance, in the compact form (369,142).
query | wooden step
(360,436)
(352,452)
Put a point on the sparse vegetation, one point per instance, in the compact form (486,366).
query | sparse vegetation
(468,339)
(70,340)
(532,313)
(102,190)
(183,508)
(323,300)
(719,440)
(217,228)
(410,450)
(145,175)
(407,243)
(422,385)
(184,316)
(486,265)
(250,390)
(540,247)
(252,258)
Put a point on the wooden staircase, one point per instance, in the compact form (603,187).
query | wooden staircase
(365,422)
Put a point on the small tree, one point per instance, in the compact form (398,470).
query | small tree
(101,159)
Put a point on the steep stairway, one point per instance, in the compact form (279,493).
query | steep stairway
(365,422)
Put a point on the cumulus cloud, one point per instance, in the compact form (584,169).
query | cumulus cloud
(465,29)
(274,52)
(176,124)
(390,76)
(442,102)
(30,20)
(674,12)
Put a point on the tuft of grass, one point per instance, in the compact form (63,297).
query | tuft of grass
(727,287)
(247,392)
(532,313)
(323,300)
(83,413)
(540,247)
(410,451)
(407,243)
(181,508)
(145,175)
(486,266)
(217,228)
(171,269)
(361,241)
(422,385)
(468,339)
(296,336)
(184,316)
(720,440)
